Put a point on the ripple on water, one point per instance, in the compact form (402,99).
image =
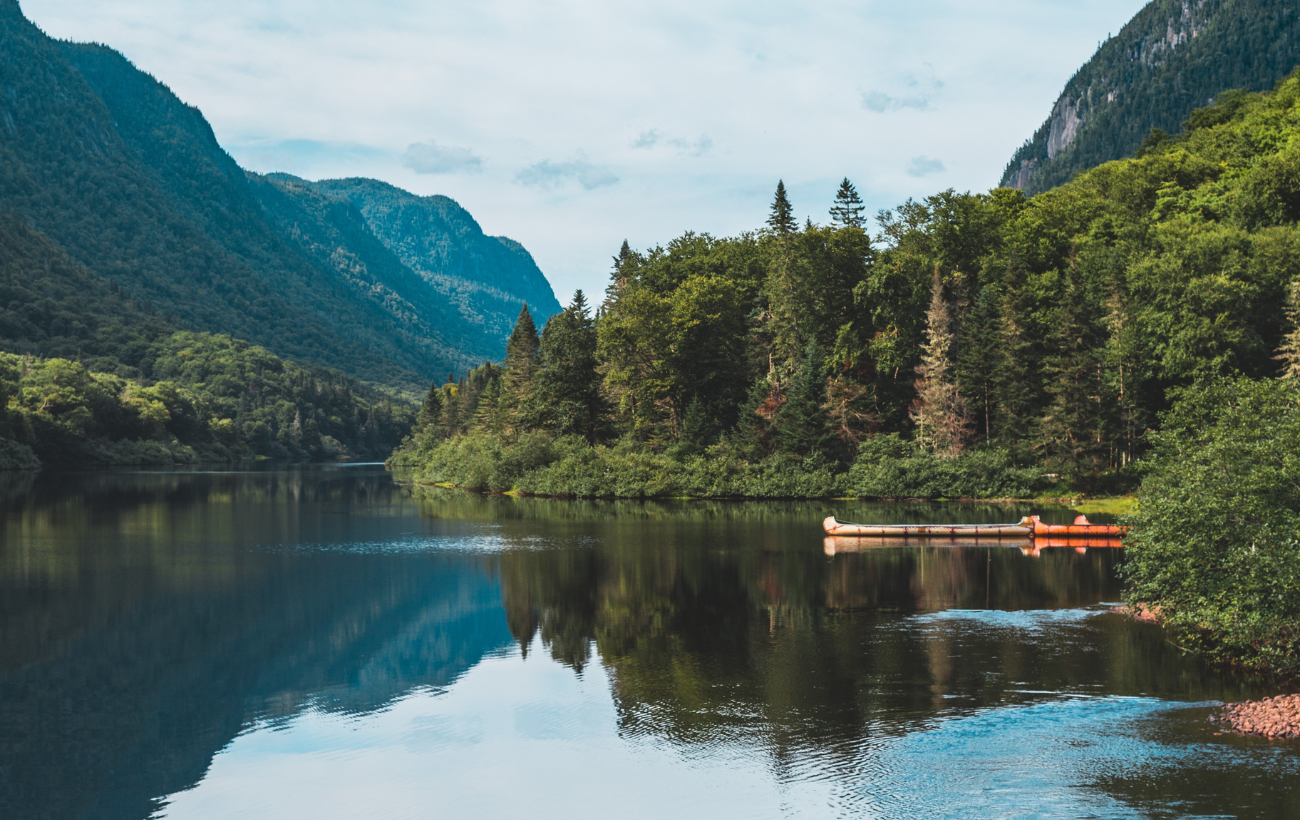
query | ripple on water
(1039,761)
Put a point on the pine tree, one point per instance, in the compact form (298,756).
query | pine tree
(619,276)
(848,208)
(520,370)
(801,424)
(977,359)
(781,220)
(783,311)
(939,411)
(431,410)
(1289,351)
(567,395)
(1070,428)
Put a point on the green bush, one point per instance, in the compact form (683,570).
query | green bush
(1215,546)
(568,466)
(889,467)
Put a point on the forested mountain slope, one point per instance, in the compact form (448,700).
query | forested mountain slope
(130,182)
(1174,56)
(485,278)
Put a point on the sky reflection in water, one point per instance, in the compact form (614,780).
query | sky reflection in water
(324,643)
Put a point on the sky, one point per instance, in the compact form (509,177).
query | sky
(573,125)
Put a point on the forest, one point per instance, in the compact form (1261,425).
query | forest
(983,345)
(209,398)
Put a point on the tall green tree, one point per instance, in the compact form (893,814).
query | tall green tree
(978,358)
(520,367)
(567,394)
(848,208)
(939,412)
(1070,429)
(780,220)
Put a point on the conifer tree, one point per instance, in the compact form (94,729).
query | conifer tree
(618,277)
(567,394)
(939,411)
(1070,427)
(848,208)
(1289,351)
(520,367)
(783,310)
(781,220)
(801,423)
(431,410)
(977,359)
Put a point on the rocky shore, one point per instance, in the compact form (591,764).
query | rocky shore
(1277,717)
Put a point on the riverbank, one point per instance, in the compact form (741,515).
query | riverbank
(1215,544)
(569,467)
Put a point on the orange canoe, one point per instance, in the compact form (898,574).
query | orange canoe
(1079,529)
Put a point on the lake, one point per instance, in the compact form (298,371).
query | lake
(326,642)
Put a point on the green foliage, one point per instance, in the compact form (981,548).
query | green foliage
(1012,335)
(890,467)
(209,398)
(142,219)
(1154,76)
(1215,546)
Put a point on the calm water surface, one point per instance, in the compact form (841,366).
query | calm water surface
(326,643)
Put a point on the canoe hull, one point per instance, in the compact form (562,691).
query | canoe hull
(834,526)
(1079,529)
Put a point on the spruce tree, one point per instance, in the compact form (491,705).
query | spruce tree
(619,276)
(1289,351)
(782,318)
(977,359)
(1069,431)
(567,395)
(848,208)
(801,423)
(520,367)
(939,411)
(431,410)
(781,220)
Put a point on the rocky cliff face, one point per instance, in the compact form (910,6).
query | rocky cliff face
(1174,56)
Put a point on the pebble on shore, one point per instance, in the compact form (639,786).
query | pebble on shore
(1277,717)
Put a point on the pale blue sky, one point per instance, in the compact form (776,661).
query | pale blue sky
(570,126)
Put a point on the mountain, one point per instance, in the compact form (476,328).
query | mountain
(485,278)
(1174,56)
(130,183)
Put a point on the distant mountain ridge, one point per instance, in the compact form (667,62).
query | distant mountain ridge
(1174,56)
(130,182)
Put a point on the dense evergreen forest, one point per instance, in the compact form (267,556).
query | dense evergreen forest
(1171,58)
(978,344)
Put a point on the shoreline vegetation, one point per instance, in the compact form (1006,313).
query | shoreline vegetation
(189,398)
(1135,328)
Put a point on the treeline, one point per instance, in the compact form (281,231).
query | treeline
(207,398)
(1045,332)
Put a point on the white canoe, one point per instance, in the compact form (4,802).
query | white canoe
(1019,530)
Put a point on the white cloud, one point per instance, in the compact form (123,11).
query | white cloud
(915,91)
(697,147)
(924,166)
(548,175)
(646,139)
(432,158)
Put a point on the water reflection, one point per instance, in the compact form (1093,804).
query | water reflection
(435,642)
